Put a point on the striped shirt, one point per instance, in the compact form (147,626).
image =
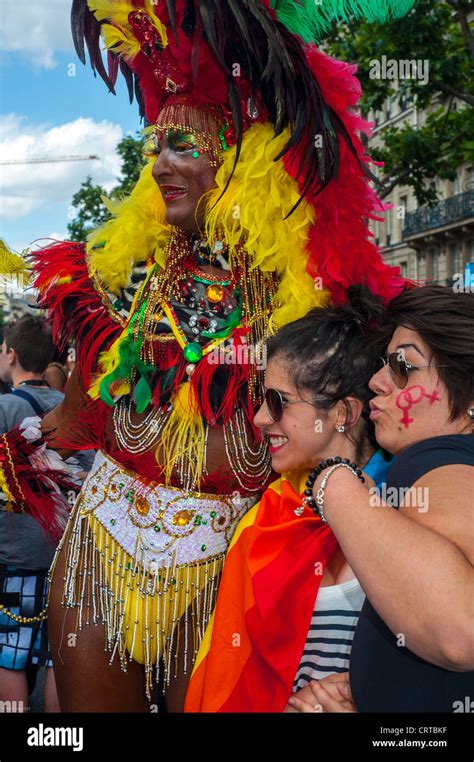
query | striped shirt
(329,641)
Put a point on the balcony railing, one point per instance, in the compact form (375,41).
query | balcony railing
(449,210)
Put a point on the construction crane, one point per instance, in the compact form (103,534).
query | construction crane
(47,159)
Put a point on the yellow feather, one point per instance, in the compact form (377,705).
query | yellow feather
(120,42)
(108,361)
(136,233)
(252,210)
(116,13)
(12,264)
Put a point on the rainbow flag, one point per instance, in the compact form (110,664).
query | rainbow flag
(252,647)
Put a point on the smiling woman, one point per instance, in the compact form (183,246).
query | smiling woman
(287,589)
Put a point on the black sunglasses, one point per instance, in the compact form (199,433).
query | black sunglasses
(399,368)
(276,404)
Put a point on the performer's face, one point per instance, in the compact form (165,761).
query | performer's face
(184,173)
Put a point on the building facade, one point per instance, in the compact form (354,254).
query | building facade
(429,244)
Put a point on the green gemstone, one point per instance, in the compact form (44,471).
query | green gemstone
(198,521)
(118,304)
(213,514)
(192,352)
(196,154)
(112,521)
(157,528)
(203,548)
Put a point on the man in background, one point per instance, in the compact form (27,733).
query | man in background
(26,553)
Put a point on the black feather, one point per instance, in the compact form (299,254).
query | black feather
(78,9)
(128,77)
(171,5)
(112,66)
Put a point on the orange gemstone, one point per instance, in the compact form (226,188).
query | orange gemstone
(94,489)
(182,518)
(142,505)
(215,293)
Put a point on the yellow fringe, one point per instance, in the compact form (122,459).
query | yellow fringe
(146,614)
(4,488)
(184,434)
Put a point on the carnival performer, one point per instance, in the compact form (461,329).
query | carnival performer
(251,210)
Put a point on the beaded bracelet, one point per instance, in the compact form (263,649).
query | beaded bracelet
(308,498)
(320,492)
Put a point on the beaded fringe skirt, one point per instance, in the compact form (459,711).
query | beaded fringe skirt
(145,561)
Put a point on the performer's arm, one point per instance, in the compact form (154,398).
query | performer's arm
(57,425)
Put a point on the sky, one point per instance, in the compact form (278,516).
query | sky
(51,105)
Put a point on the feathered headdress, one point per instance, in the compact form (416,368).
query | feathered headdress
(256,64)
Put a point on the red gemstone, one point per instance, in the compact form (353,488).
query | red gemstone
(203,323)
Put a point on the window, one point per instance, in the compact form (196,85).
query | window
(401,213)
(434,265)
(457,259)
(404,269)
(470,178)
(388,226)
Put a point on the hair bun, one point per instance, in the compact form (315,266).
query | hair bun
(366,308)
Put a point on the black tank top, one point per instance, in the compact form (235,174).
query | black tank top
(384,676)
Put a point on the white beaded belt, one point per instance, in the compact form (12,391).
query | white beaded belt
(159,526)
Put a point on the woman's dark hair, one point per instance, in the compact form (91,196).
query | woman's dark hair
(332,352)
(445,321)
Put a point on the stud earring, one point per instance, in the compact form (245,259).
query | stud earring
(470,413)
(341,429)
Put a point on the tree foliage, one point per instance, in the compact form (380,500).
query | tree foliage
(87,206)
(439,33)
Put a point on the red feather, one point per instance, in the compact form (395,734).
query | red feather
(339,245)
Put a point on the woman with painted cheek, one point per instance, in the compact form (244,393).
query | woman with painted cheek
(284,570)
(413,649)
